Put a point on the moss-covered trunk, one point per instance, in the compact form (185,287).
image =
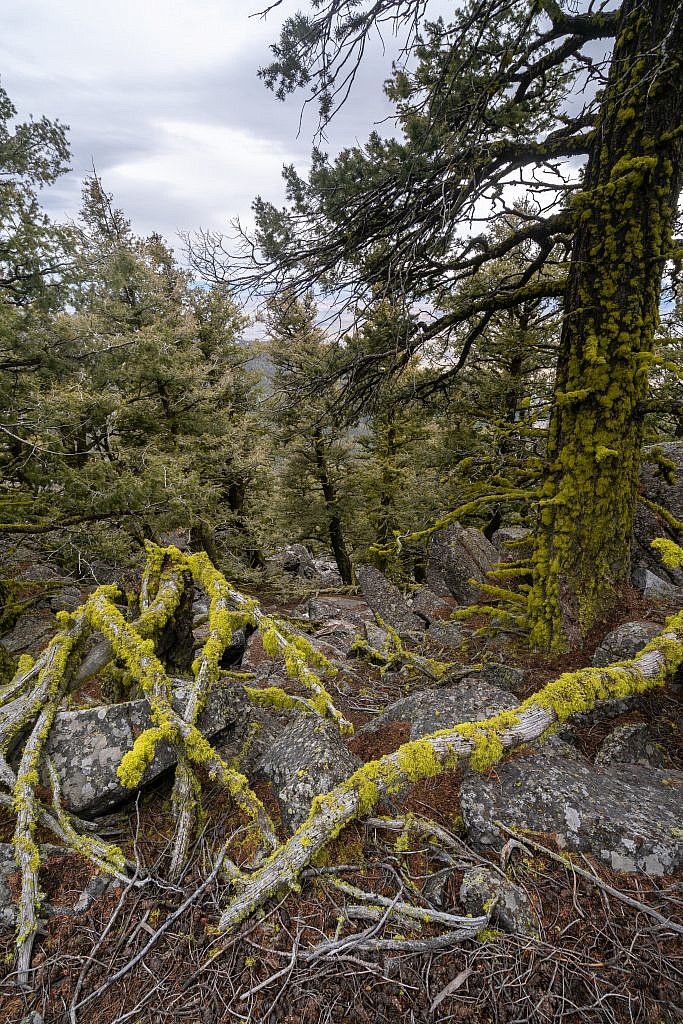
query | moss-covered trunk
(625,215)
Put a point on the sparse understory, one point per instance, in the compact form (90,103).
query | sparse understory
(248,862)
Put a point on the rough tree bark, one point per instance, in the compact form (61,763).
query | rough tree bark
(624,218)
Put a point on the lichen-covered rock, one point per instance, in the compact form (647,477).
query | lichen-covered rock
(245,741)
(328,573)
(430,710)
(655,588)
(512,911)
(506,677)
(458,555)
(308,759)
(624,642)
(296,560)
(67,599)
(30,634)
(445,634)
(87,745)
(338,606)
(387,602)
(634,743)
(627,815)
(341,620)
(430,606)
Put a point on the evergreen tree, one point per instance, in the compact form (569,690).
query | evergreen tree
(312,440)
(509,91)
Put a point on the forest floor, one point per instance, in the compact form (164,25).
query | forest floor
(595,958)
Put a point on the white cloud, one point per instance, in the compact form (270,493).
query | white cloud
(95,41)
(162,96)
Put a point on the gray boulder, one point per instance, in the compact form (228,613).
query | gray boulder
(296,560)
(430,710)
(430,606)
(654,587)
(634,743)
(458,555)
(628,816)
(306,760)
(339,606)
(387,602)
(512,911)
(328,571)
(505,677)
(87,745)
(445,634)
(67,599)
(624,642)
(30,634)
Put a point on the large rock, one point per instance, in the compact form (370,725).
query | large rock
(430,710)
(458,555)
(647,525)
(387,602)
(624,642)
(636,743)
(328,572)
(30,634)
(351,609)
(340,619)
(308,759)
(445,634)
(654,587)
(87,745)
(430,606)
(505,677)
(628,816)
(296,560)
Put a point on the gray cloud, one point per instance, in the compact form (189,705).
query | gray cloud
(170,111)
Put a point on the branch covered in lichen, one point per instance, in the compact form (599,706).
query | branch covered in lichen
(53,683)
(142,662)
(482,743)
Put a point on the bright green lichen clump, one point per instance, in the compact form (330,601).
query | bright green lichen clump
(672,553)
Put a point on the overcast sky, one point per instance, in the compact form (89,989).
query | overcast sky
(163,97)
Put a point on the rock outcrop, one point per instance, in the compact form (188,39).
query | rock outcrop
(627,815)
(458,555)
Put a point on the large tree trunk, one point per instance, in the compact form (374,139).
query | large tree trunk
(625,214)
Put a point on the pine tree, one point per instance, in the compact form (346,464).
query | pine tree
(508,92)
